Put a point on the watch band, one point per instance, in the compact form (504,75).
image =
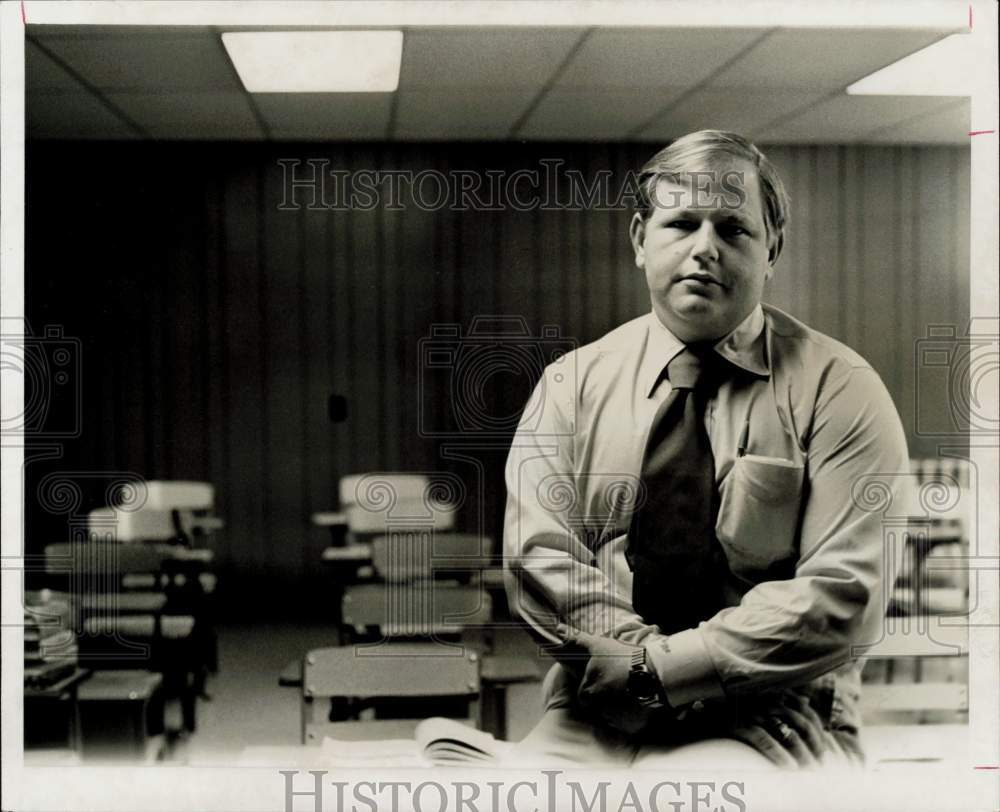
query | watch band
(644,685)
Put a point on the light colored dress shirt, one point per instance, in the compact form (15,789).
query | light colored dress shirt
(800,442)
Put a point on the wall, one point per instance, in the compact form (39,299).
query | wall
(215,326)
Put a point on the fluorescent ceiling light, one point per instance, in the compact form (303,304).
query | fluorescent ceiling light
(316,61)
(945,68)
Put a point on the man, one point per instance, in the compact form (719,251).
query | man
(682,521)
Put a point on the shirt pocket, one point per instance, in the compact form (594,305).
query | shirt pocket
(759,515)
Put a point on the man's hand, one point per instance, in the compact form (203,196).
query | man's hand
(602,666)
(791,734)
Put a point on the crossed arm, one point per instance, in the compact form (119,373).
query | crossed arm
(782,633)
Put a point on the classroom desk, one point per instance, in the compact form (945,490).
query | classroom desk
(50,712)
(336,523)
(919,596)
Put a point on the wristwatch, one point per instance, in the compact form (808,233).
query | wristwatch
(643,685)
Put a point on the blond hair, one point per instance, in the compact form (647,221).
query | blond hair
(707,149)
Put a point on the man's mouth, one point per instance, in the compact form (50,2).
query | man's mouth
(702,278)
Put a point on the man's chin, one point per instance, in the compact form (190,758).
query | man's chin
(697,306)
(693,317)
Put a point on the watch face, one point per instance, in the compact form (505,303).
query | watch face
(643,685)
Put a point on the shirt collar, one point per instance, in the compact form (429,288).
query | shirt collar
(744,347)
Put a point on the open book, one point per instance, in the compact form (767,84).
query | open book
(445,741)
(436,742)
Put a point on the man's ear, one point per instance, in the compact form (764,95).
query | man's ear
(774,250)
(637,234)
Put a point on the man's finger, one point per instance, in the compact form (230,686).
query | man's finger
(765,744)
(833,750)
(789,739)
(811,734)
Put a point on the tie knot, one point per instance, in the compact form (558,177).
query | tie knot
(686,368)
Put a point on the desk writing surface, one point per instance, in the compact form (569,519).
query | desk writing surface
(187,554)
(126,602)
(329,519)
(56,689)
(352,552)
(935,532)
(130,684)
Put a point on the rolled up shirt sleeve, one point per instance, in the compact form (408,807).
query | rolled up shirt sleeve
(786,632)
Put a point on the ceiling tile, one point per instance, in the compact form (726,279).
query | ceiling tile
(594,114)
(178,83)
(460,113)
(502,58)
(190,114)
(652,59)
(71,115)
(816,59)
(848,119)
(192,61)
(42,74)
(723,109)
(947,125)
(324,116)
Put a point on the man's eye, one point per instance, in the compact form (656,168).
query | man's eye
(684,225)
(733,231)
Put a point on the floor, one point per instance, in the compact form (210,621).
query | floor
(248,708)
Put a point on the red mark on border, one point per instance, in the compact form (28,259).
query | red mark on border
(981,132)
(24,17)
(970,15)
(997,767)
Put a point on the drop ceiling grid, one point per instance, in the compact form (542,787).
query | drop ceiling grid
(475,84)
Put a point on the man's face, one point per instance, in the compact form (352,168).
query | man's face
(705,253)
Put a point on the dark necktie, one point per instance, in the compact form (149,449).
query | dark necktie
(678,565)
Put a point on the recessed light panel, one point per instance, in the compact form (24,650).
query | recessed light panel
(316,61)
(942,69)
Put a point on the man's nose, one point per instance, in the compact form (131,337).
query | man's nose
(705,248)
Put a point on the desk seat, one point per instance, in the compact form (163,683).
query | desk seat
(132,603)
(142,626)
